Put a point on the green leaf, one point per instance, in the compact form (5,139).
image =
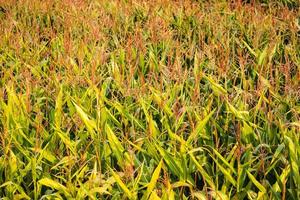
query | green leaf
(200,195)
(199,127)
(54,185)
(58,109)
(243,115)
(153,181)
(116,147)
(224,161)
(226,173)
(172,162)
(217,88)
(283,177)
(256,183)
(66,140)
(117,178)
(249,48)
(202,171)
(89,123)
(219,195)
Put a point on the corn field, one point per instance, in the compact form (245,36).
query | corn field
(150,99)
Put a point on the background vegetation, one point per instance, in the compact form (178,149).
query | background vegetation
(149,99)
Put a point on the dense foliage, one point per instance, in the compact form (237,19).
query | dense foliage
(136,99)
